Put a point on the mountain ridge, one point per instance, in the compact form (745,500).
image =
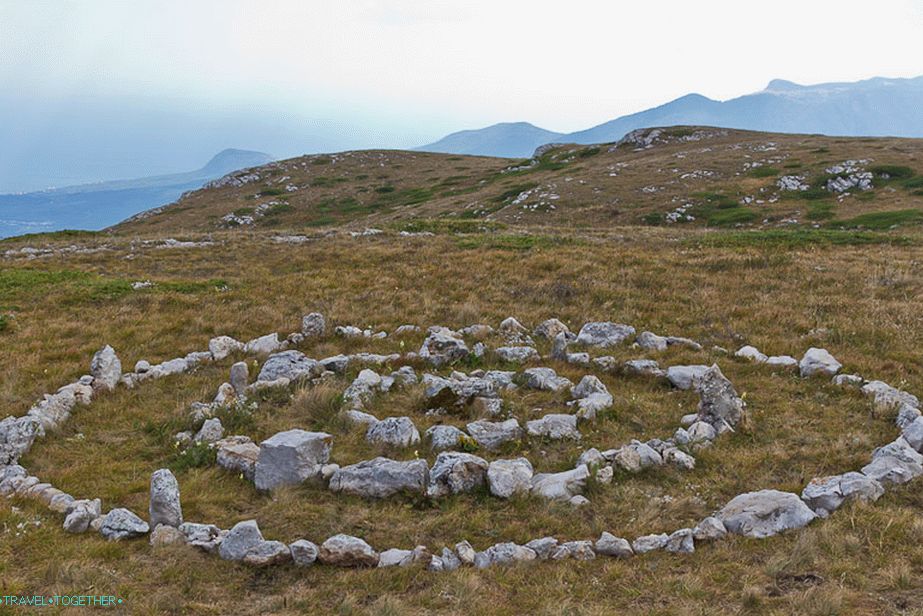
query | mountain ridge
(878,106)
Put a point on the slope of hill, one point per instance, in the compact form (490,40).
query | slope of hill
(878,106)
(675,176)
(511,139)
(94,206)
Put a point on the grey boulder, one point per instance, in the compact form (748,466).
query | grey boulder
(765,513)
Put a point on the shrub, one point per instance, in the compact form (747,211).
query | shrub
(272,192)
(893,172)
(4,322)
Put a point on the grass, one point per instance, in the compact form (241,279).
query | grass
(852,292)
(882,220)
(763,172)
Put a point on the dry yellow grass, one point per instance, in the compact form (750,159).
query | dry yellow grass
(782,294)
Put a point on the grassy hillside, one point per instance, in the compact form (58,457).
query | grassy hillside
(856,294)
(686,175)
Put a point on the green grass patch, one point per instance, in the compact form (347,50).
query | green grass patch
(65,234)
(882,220)
(795,238)
(893,172)
(323,181)
(385,189)
(321,160)
(243,211)
(916,182)
(730,216)
(763,172)
(272,192)
(820,210)
(4,322)
(588,152)
(653,218)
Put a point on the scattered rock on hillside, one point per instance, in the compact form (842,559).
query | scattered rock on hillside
(819,361)
(509,477)
(122,524)
(106,369)
(604,334)
(825,494)
(347,551)
(393,431)
(456,473)
(165,505)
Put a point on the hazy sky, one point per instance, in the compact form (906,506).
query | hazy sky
(109,88)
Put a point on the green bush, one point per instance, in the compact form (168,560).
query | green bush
(4,322)
(272,192)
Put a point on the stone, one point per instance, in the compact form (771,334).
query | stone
(394,432)
(291,365)
(895,463)
(578,501)
(650,341)
(605,475)
(442,437)
(226,395)
(493,435)
(782,361)
(336,364)
(465,552)
(887,398)
(243,537)
(106,369)
(604,334)
(851,380)
(291,457)
(592,458)
(559,346)
(490,407)
(818,361)
(80,514)
(551,329)
(507,478)
(456,473)
(363,387)
(588,386)
(504,554)
(751,353)
(142,366)
(304,552)
(450,562)
(442,348)
(543,547)
(361,418)
(240,377)
(313,325)
(381,478)
(709,529)
(264,345)
(681,542)
(238,457)
(346,551)
(649,543)
(163,536)
(517,354)
(642,367)
(560,486)
(765,513)
(685,377)
(718,400)
(545,379)
(210,432)
(906,415)
(395,558)
(267,553)
(829,493)
(16,437)
(913,433)
(576,550)
(554,426)
(679,458)
(165,508)
(121,524)
(701,432)
(610,545)
(206,537)
(223,346)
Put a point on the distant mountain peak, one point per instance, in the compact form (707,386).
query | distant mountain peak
(783,85)
(232,159)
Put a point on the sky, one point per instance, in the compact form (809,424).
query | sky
(104,89)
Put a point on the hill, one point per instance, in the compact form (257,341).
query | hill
(512,139)
(98,205)
(694,176)
(873,107)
